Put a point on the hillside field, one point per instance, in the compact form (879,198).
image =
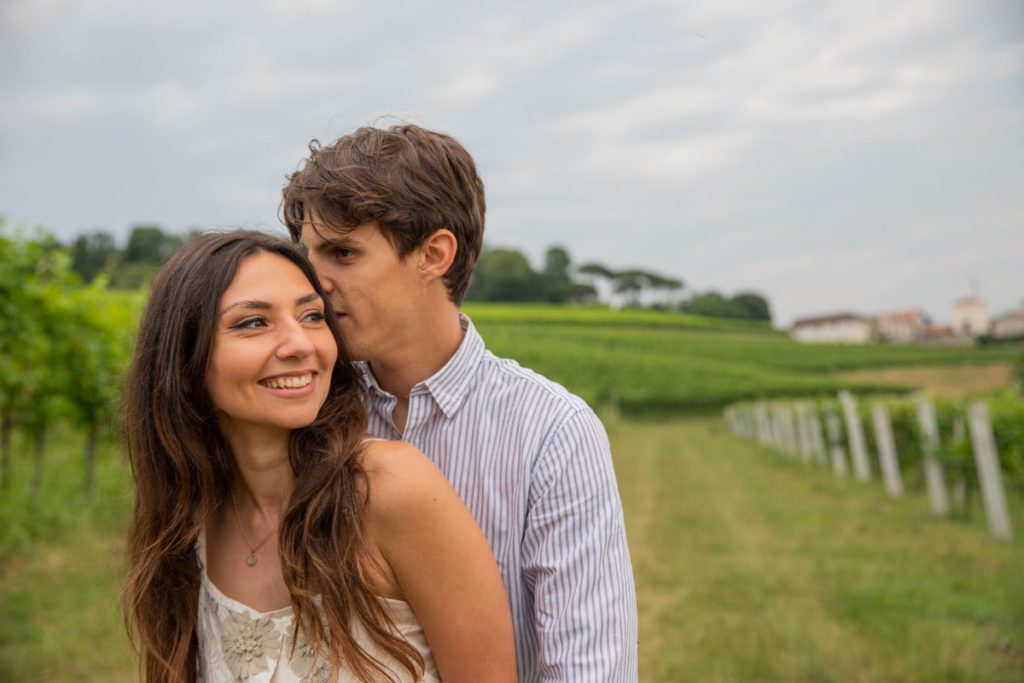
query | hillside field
(656,363)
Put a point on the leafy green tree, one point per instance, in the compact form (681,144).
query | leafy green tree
(556,262)
(630,283)
(710,304)
(503,275)
(92,253)
(148,246)
(556,285)
(751,306)
(744,306)
(634,282)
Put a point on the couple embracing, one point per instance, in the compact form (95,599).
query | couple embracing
(336,480)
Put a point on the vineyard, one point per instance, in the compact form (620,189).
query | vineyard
(64,346)
(65,490)
(655,369)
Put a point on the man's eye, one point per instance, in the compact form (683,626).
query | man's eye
(342,253)
(250,323)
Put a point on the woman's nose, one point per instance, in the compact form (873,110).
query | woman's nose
(294,342)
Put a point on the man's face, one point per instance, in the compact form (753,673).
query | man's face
(372,289)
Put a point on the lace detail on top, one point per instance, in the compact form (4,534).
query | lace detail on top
(238,643)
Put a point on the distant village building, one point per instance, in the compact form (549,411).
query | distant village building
(838,328)
(970,316)
(1009,325)
(903,327)
(943,335)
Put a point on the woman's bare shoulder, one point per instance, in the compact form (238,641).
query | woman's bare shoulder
(402,481)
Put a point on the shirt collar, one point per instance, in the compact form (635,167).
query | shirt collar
(450,385)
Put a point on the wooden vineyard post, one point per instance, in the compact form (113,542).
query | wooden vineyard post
(855,434)
(887,458)
(933,475)
(835,442)
(989,476)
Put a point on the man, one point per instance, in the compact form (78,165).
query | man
(393,223)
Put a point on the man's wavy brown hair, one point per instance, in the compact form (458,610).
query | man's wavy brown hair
(183,470)
(409,180)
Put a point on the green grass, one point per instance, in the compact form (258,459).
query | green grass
(62,500)
(750,566)
(61,565)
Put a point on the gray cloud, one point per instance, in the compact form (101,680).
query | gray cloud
(862,155)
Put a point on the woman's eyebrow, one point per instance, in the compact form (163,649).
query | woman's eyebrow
(247,303)
(264,305)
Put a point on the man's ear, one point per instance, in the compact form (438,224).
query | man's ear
(437,253)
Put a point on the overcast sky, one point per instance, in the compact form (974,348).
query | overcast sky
(862,155)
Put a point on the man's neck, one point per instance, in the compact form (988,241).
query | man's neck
(438,339)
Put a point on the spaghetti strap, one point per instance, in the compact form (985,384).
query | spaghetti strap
(371,439)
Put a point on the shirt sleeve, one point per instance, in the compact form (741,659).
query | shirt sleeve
(577,562)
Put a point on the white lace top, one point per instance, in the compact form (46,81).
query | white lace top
(238,643)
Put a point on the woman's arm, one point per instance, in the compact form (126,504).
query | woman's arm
(441,564)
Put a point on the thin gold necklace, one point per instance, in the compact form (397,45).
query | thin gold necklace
(251,560)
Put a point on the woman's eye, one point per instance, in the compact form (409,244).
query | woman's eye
(249,324)
(313,317)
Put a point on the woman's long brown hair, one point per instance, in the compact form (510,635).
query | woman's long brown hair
(183,470)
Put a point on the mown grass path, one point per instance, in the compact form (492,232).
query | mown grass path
(754,567)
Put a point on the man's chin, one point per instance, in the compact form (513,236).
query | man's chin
(357,352)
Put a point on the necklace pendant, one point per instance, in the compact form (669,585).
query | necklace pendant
(251,560)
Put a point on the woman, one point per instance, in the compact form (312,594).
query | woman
(272,540)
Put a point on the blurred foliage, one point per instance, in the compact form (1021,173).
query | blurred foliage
(63,348)
(96,254)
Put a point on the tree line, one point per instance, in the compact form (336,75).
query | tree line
(128,267)
(501,274)
(506,275)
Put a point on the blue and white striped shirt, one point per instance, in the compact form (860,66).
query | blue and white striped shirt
(532,463)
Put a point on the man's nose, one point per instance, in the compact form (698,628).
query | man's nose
(327,284)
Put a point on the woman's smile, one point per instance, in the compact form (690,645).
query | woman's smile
(273,352)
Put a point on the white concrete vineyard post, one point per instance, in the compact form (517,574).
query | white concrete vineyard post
(887,458)
(764,425)
(788,429)
(817,438)
(989,476)
(835,441)
(778,440)
(933,476)
(803,431)
(855,435)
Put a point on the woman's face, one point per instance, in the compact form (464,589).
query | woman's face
(272,350)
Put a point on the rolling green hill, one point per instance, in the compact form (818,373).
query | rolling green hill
(662,363)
